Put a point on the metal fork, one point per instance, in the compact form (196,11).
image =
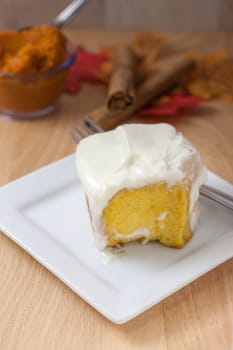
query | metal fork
(64,16)
(88,126)
(68,12)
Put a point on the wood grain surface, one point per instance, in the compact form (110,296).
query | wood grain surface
(37,311)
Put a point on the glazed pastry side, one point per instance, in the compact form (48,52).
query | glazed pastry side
(142,183)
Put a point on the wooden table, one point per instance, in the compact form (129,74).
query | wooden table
(37,311)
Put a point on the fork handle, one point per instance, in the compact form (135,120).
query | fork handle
(67,13)
(218,196)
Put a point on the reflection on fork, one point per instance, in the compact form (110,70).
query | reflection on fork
(86,127)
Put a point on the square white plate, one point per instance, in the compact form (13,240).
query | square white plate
(45,213)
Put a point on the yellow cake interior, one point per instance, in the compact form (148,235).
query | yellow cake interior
(163,211)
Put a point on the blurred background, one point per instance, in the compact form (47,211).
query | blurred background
(188,15)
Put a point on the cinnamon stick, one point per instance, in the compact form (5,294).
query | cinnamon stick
(121,93)
(168,75)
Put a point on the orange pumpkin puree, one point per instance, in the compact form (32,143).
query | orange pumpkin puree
(34,50)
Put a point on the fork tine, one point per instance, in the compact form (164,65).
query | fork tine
(93,124)
(77,134)
(73,136)
(80,132)
(86,127)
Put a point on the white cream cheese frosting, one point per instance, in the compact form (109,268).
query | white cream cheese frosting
(135,155)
